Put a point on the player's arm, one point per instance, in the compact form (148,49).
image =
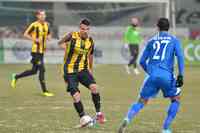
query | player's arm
(91,57)
(144,58)
(140,36)
(126,34)
(28,31)
(180,59)
(49,33)
(91,62)
(63,41)
(49,37)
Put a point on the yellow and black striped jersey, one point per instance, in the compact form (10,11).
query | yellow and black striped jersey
(38,31)
(77,52)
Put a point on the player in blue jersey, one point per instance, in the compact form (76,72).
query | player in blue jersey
(158,62)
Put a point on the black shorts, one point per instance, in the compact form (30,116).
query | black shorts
(73,79)
(37,59)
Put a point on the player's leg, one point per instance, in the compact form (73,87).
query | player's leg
(26,73)
(148,90)
(174,94)
(130,63)
(171,113)
(135,108)
(97,103)
(135,55)
(72,88)
(95,96)
(35,61)
(88,81)
(131,49)
(77,102)
(42,81)
(132,112)
(135,50)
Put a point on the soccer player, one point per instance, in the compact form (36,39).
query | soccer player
(133,39)
(38,32)
(78,67)
(158,62)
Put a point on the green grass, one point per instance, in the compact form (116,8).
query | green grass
(25,110)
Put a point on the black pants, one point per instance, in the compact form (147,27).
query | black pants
(37,65)
(134,51)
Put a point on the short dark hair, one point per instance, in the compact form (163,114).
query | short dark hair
(163,24)
(39,11)
(85,22)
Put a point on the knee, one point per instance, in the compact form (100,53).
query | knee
(174,107)
(93,88)
(175,99)
(76,97)
(144,101)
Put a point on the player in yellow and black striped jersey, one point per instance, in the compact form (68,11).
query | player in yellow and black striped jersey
(38,32)
(77,53)
(78,62)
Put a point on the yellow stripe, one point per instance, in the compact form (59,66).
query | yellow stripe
(74,56)
(76,53)
(81,64)
(85,57)
(41,35)
(70,68)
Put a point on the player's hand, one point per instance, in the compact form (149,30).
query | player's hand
(179,81)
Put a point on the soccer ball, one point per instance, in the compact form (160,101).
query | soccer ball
(86,120)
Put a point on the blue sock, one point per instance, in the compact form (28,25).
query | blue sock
(172,111)
(135,108)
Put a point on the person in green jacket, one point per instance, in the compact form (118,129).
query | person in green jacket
(132,40)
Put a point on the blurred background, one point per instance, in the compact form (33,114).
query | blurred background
(25,110)
(109,20)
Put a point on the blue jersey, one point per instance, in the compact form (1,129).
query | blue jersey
(160,52)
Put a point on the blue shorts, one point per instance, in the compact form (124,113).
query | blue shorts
(152,84)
